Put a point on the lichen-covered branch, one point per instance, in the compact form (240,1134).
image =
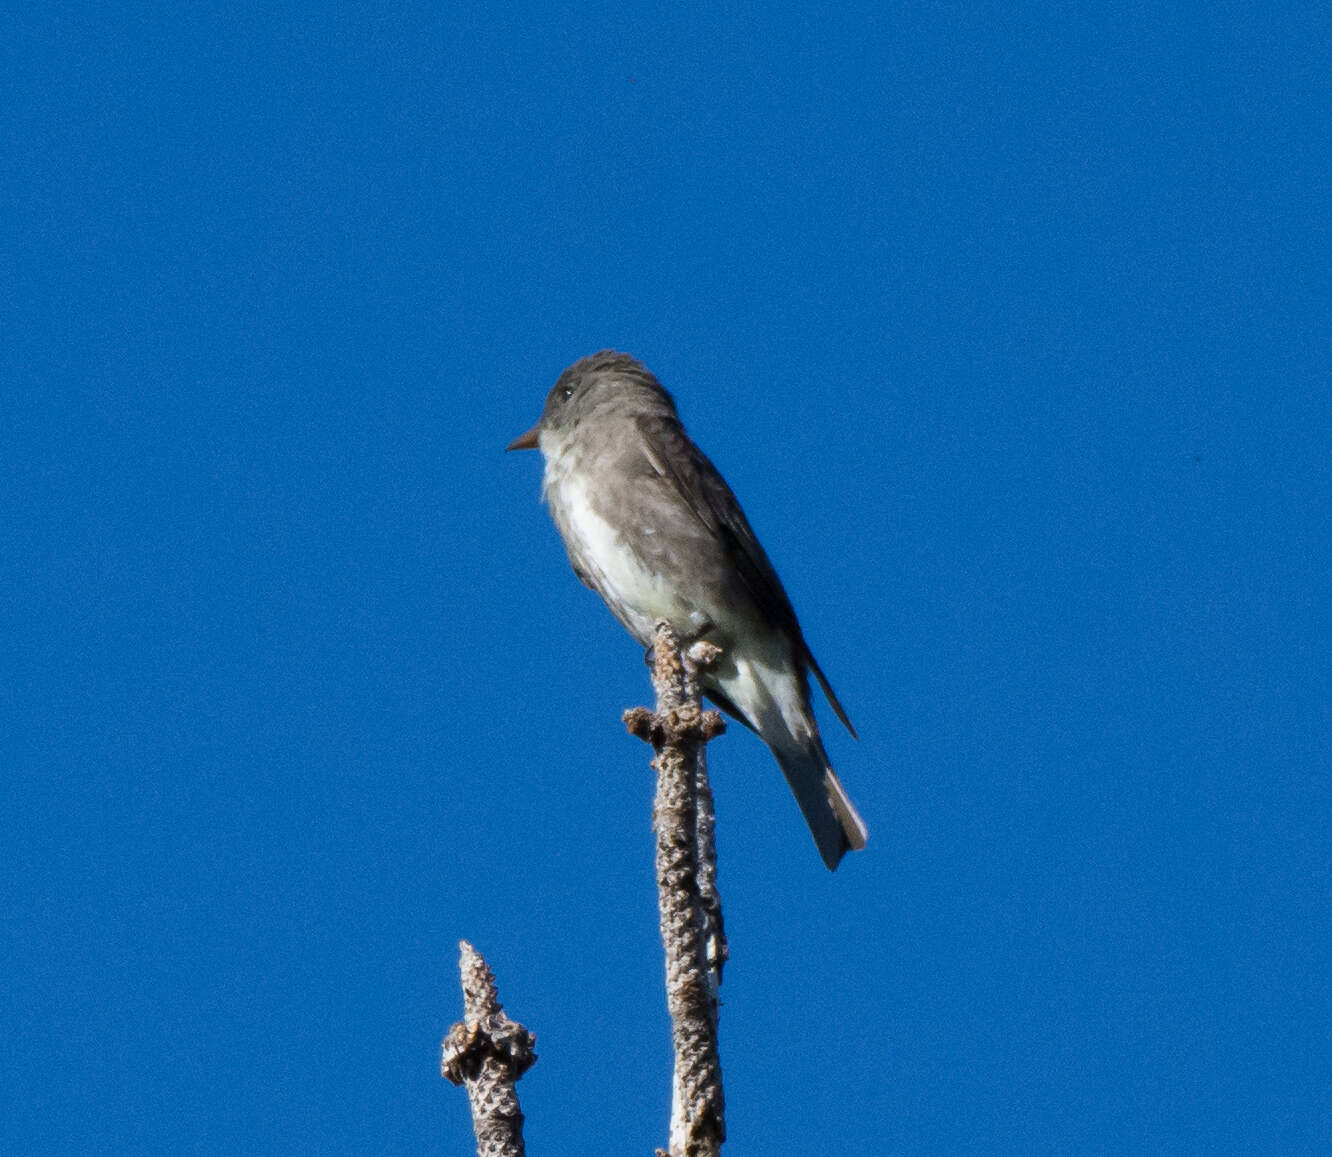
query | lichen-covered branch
(690,907)
(487,1052)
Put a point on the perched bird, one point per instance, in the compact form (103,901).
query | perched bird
(651,526)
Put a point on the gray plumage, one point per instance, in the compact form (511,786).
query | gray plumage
(652,527)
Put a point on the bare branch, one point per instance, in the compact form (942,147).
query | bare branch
(690,906)
(487,1052)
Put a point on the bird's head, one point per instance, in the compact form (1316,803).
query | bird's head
(605,383)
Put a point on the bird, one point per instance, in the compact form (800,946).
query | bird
(651,526)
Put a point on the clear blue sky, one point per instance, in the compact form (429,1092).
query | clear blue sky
(1009,326)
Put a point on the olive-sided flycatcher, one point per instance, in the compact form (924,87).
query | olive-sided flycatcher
(652,527)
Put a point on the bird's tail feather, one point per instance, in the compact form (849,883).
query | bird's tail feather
(836,826)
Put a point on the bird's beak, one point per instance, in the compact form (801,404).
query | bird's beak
(526,441)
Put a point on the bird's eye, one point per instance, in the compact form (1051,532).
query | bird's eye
(566,393)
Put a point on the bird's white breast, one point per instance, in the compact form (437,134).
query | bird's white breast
(635,593)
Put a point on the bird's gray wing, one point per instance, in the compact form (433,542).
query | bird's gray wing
(673,456)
